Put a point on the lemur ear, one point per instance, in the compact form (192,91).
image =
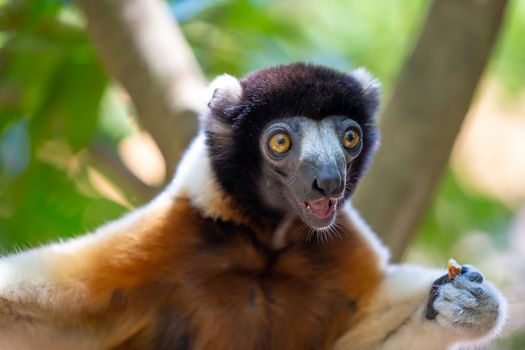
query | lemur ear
(226,93)
(370,86)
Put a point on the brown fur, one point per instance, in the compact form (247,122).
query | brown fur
(180,278)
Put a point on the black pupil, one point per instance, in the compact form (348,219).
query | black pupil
(350,136)
(281,140)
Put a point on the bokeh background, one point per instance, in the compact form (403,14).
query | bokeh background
(73,154)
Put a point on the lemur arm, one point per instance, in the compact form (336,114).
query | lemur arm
(35,297)
(468,312)
(61,294)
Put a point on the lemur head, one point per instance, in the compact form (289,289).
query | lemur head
(292,140)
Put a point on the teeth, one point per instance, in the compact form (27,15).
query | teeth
(308,206)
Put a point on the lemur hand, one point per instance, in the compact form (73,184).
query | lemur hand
(466,304)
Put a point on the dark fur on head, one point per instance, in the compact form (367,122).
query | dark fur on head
(238,114)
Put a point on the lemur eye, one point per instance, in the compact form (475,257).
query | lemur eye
(351,139)
(280,143)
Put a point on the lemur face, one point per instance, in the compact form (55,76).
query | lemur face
(292,140)
(306,162)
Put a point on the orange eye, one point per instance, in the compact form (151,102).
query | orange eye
(351,139)
(280,143)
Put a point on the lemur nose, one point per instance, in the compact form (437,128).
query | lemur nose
(329,183)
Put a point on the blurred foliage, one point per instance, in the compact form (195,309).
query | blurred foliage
(509,59)
(240,36)
(56,101)
(455,212)
(51,89)
(509,343)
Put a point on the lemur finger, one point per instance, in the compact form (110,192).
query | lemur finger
(464,283)
(471,273)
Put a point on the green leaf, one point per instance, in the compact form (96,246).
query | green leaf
(44,204)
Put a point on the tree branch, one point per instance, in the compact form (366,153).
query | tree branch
(424,116)
(110,164)
(141,45)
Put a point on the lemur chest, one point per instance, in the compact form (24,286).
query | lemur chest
(239,294)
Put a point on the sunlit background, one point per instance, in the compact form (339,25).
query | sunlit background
(62,121)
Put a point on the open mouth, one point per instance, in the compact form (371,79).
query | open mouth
(322,208)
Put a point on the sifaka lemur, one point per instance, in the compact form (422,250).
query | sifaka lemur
(253,245)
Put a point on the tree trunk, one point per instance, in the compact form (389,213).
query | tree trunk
(142,46)
(424,115)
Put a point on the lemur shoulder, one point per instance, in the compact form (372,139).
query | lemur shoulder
(254,244)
